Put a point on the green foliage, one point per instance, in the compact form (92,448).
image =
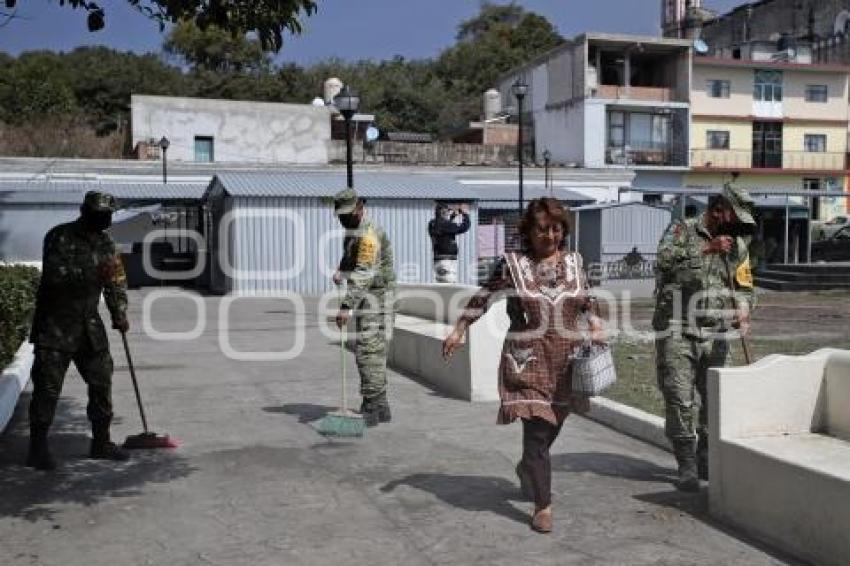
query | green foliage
(18,286)
(268,19)
(213,49)
(93,85)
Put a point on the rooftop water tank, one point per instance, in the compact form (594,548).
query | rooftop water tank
(332,87)
(492,104)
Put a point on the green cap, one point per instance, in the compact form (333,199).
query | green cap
(740,202)
(345,202)
(100,202)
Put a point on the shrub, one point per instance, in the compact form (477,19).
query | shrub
(18,286)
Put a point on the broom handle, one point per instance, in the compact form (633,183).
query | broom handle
(342,339)
(744,343)
(135,382)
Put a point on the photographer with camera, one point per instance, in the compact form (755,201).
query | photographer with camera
(444,229)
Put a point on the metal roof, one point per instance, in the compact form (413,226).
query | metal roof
(369,184)
(40,197)
(504,197)
(134,191)
(605,205)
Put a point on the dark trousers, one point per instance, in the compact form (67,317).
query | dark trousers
(537,438)
(48,375)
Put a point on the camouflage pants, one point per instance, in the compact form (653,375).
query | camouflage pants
(682,368)
(374,327)
(48,375)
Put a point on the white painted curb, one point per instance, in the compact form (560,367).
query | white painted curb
(13,380)
(628,420)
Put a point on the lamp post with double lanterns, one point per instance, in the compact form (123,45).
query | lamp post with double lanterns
(348,102)
(163,145)
(519,90)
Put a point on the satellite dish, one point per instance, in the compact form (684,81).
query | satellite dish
(700,46)
(372,133)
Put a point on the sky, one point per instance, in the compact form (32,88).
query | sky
(348,29)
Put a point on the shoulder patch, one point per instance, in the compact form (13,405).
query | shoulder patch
(744,274)
(367,248)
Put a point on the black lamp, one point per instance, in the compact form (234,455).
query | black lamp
(348,103)
(519,90)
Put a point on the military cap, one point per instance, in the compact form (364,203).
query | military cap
(97,201)
(345,201)
(740,202)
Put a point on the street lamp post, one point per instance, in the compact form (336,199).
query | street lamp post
(547,157)
(348,102)
(519,89)
(163,145)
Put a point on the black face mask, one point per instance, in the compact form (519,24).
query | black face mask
(97,221)
(735,229)
(349,221)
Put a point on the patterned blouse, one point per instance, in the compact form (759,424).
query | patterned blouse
(544,302)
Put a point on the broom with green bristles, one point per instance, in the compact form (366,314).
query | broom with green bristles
(343,423)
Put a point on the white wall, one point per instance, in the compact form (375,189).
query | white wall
(242,131)
(23,227)
(594,133)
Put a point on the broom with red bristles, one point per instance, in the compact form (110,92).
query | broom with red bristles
(147,439)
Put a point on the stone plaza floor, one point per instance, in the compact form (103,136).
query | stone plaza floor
(254,484)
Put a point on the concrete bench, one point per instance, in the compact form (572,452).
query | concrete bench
(425,315)
(780,452)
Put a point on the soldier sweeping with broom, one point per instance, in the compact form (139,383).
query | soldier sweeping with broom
(79,264)
(369,298)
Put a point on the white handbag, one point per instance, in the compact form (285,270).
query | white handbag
(593,369)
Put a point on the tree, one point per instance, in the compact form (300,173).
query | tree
(213,49)
(268,19)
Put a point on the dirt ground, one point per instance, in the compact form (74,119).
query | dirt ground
(783,322)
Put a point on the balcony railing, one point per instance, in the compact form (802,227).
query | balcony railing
(646,93)
(745,159)
(647,154)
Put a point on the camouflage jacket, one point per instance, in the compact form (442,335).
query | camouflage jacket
(369,256)
(686,276)
(69,292)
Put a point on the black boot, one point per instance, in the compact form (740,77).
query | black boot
(39,455)
(702,458)
(369,410)
(102,448)
(383,405)
(688,478)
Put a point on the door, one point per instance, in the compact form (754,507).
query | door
(767,145)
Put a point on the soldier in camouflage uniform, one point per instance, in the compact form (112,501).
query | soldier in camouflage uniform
(692,317)
(79,264)
(367,266)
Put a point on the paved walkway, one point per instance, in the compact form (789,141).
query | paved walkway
(255,485)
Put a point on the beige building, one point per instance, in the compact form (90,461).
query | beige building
(779,124)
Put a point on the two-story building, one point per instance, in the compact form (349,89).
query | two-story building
(609,101)
(780,122)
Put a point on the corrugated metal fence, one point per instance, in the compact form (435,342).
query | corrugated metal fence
(295,244)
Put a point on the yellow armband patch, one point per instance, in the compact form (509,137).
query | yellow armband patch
(367,249)
(744,275)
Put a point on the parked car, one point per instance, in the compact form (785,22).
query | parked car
(823,230)
(833,248)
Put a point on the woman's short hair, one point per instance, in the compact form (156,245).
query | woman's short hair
(546,205)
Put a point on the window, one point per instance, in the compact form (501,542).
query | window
(203,149)
(768,86)
(617,129)
(717,88)
(816,93)
(815,142)
(717,139)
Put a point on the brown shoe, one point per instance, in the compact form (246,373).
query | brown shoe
(541,521)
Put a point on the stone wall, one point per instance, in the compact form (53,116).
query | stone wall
(769,20)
